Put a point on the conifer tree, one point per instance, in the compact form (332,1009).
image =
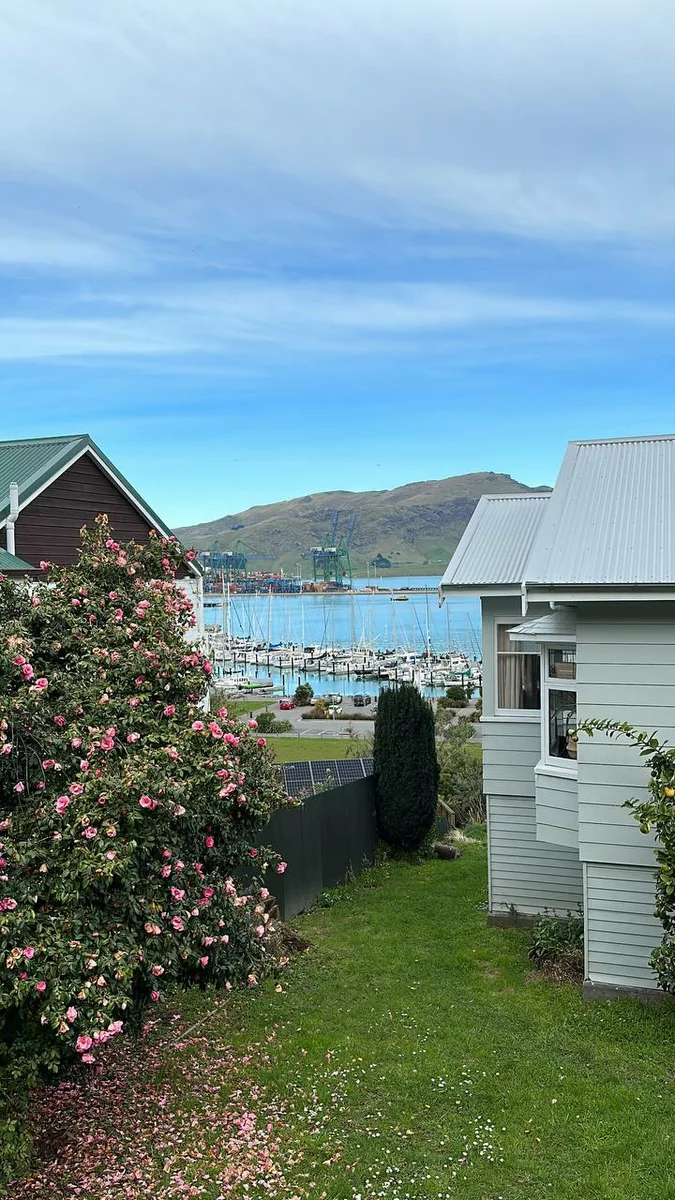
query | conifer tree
(406,767)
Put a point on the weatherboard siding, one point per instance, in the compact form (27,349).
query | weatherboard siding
(621,929)
(625,655)
(557,809)
(49,527)
(526,874)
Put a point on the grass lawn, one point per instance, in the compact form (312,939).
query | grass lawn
(409,1054)
(240,708)
(310,749)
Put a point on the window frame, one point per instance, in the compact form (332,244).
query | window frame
(512,714)
(551,683)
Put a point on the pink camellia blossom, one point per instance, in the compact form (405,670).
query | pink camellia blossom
(197,726)
(18,660)
(209,842)
(259,930)
(133,702)
(166,871)
(177,924)
(207,668)
(61,804)
(157,970)
(281,867)
(154,996)
(71,1014)
(88,1059)
(208,941)
(76,743)
(111,854)
(76,789)
(222,713)
(39,786)
(148,802)
(90,832)
(29,952)
(27,671)
(264,894)
(111,545)
(76,603)
(208,893)
(8,904)
(133,737)
(169,710)
(231,739)
(172,752)
(252,981)
(60,721)
(107,743)
(177,893)
(215,730)
(261,742)
(179,811)
(253,853)
(112,595)
(84,1042)
(204,960)
(41,683)
(190,554)
(18,787)
(166,853)
(41,986)
(252,724)
(48,764)
(7,748)
(152,927)
(44,565)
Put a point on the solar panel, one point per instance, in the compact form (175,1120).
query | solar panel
(306,777)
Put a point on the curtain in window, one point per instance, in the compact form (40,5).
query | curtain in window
(518,671)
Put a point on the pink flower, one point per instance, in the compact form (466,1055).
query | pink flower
(208,941)
(259,930)
(62,804)
(177,924)
(8,904)
(84,1042)
(261,742)
(215,730)
(154,996)
(107,743)
(166,871)
(41,683)
(71,1014)
(76,789)
(112,595)
(190,554)
(90,831)
(27,671)
(6,749)
(48,764)
(29,952)
(197,726)
(148,802)
(169,710)
(111,854)
(253,853)
(76,743)
(171,751)
(204,960)
(133,737)
(84,767)
(207,893)
(264,894)
(252,724)
(88,1059)
(133,702)
(207,668)
(152,927)
(60,721)
(231,739)
(209,842)
(252,981)
(18,787)
(41,986)
(177,893)
(76,603)
(157,970)
(281,868)
(18,660)
(222,713)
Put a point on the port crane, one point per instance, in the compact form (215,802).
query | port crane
(331,561)
(231,565)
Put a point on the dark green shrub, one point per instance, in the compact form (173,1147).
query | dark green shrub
(555,938)
(406,767)
(457,695)
(267,723)
(303,694)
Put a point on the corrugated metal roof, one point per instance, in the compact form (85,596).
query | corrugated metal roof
(32,462)
(496,542)
(560,624)
(9,562)
(611,518)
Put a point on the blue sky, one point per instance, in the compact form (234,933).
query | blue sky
(260,250)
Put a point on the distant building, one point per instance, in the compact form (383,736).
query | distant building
(51,487)
(578,600)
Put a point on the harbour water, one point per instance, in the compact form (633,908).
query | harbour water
(360,620)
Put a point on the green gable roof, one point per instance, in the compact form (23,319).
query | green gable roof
(33,462)
(9,562)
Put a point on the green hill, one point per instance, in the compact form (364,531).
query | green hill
(416,527)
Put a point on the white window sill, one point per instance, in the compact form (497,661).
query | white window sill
(531,715)
(558,772)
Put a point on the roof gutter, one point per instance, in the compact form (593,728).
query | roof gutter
(12,517)
(524,602)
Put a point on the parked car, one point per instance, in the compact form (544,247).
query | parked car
(287,702)
(361,700)
(333,698)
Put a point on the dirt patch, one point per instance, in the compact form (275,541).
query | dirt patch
(568,968)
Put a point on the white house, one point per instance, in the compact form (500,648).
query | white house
(577,590)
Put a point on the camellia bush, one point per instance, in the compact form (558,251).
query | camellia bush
(655,814)
(128,815)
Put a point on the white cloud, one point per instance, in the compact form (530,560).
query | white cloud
(552,120)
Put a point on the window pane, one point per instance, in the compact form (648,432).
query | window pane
(518,681)
(562,663)
(562,724)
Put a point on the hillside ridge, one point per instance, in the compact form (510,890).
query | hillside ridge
(415,526)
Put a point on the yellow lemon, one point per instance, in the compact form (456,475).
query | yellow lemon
(669,792)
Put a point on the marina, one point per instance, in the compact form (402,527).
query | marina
(362,638)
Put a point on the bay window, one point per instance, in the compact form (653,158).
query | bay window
(559,710)
(518,675)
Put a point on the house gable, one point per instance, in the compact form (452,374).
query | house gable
(48,527)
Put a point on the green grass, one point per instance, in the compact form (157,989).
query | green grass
(241,708)
(412,1054)
(309,749)
(474,749)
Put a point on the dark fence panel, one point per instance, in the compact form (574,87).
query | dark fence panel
(333,833)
